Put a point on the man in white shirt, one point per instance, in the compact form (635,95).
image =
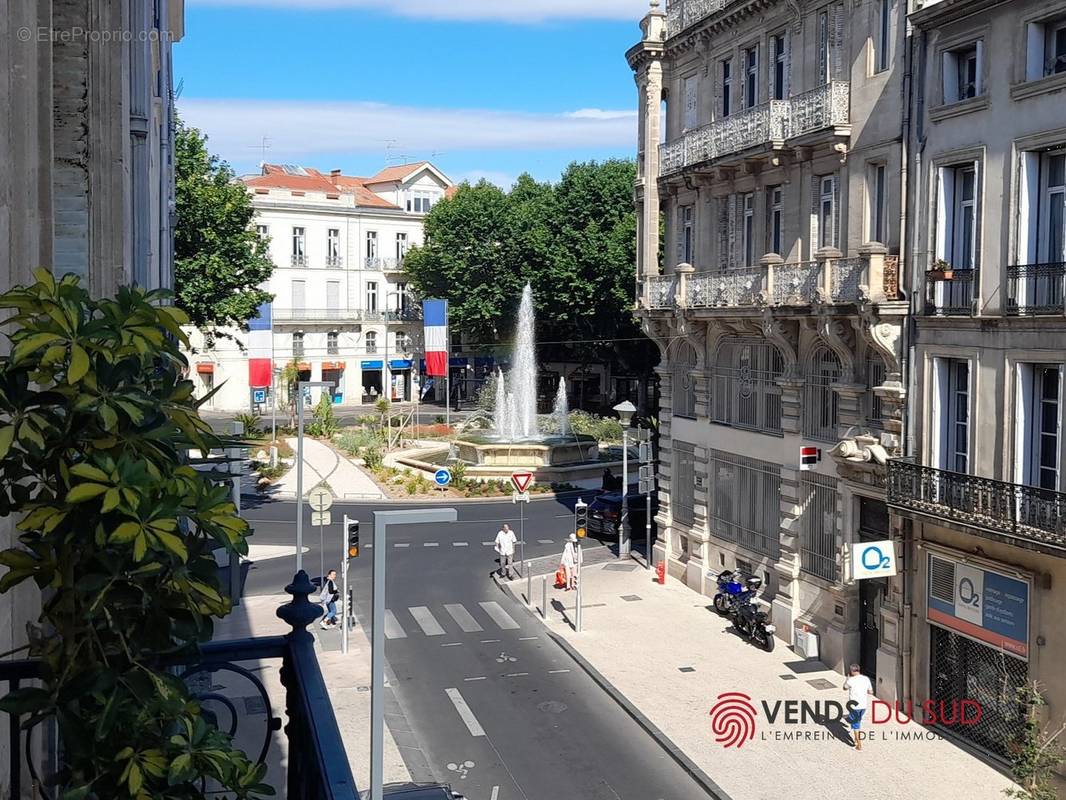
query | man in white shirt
(505,542)
(859,689)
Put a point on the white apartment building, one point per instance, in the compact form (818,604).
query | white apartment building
(342,308)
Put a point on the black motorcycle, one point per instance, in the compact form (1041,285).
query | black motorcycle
(749,620)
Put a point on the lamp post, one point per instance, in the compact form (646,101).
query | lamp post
(625,411)
(300,386)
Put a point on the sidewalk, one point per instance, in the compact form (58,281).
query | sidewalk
(670,656)
(322,463)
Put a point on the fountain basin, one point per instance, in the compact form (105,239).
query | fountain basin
(547,452)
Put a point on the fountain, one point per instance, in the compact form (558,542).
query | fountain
(561,411)
(518,421)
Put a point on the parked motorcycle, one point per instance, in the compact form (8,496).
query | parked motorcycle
(749,619)
(730,587)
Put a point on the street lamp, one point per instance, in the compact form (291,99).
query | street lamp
(300,386)
(625,411)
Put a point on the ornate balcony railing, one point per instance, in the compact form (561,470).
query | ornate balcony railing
(727,288)
(413,313)
(949,296)
(847,278)
(773,121)
(681,14)
(1035,289)
(334,262)
(891,277)
(317,764)
(384,264)
(796,284)
(298,260)
(661,291)
(1009,509)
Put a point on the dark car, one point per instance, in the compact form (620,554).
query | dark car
(412,791)
(605,515)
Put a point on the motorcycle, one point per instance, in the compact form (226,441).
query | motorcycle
(749,620)
(730,588)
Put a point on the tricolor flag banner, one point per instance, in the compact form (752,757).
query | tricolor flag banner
(435,313)
(261,348)
(809,458)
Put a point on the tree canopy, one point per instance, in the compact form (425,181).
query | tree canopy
(220,261)
(574,242)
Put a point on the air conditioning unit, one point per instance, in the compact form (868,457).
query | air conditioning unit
(805,642)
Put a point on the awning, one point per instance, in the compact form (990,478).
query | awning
(400,363)
(373,365)
(459,362)
(205,368)
(334,365)
(303,366)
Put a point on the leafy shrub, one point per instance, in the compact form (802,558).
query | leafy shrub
(458,470)
(324,421)
(373,458)
(96,419)
(251,423)
(603,429)
(354,441)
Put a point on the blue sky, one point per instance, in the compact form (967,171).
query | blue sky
(487,88)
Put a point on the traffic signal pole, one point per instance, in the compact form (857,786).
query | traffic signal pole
(350,542)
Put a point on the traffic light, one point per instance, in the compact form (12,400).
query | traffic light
(353,538)
(581,518)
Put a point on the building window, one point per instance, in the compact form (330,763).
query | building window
(952,409)
(1039,420)
(690,89)
(775,204)
(820,401)
(403,342)
(746,503)
(371,342)
(875,376)
(372,296)
(333,347)
(421,202)
(823,46)
(402,297)
(957,216)
(401,246)
(333,295)
(683,484)
(826,211)
(751,77)
(1046,53)
(727,86)
(748,229)
(1041,234)
(962,73)
(263,231)
(684,381)
(299,295)
(371,245)
(884,35)
(876,190)
(299,253)
(1052,214)
(686,239)
(818,525)
(298,344)
(746,390)
(779,76)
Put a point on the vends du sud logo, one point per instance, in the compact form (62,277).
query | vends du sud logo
(737,719)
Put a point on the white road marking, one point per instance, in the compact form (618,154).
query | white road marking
(487,544)
(489,641)
(527,638)
(495,793)
(515,674)
(499,616)
(460,544)
(393,628)
(426,621)
(430,544)
(480,678)
(463,617)
(452,644)
(402,544)
(265,552)
(545,541)
(464,712)
(557,671)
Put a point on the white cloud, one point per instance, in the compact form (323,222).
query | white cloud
(300,130)
(503,10)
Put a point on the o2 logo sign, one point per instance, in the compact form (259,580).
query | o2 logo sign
(968,594)
(873,560)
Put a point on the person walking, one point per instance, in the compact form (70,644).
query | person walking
(504,545)
(859,689)
(571,561)
(328,598)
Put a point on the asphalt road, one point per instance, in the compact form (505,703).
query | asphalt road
(495,706)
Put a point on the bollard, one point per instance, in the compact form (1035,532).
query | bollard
(529,584)
(544,597)
(660,572)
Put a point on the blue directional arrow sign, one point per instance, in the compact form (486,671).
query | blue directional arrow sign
(442,477)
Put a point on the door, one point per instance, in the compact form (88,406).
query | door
(870,591)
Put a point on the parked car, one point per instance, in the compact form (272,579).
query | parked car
(413,791)
(605,515)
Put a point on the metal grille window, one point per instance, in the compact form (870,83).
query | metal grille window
(371,342)
(683,484)
(875,376)
(820,401)
(333,343)
(297,345)
(962,669)
(684,381)
(818,526)
(746,392)
(746,502)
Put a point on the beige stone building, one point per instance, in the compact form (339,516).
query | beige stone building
(979,506)
(86,177)
(770,152)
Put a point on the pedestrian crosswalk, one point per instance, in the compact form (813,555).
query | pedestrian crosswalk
(530,542)
(455,618)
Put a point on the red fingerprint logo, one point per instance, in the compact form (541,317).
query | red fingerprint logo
(733,719)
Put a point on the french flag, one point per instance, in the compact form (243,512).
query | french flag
(435,314)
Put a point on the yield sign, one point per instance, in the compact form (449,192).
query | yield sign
(521,481)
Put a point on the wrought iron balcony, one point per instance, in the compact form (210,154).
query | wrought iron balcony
(682,14)
(335,262)
(316,762)
(384,264)
(949,293)
(412,313)
(1013,510)
(775,122)
(298,260)
(1035,289)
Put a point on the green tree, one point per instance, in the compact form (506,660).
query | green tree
(220,261)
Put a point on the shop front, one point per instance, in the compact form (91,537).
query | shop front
(400,380)
(333,372)
(372,380)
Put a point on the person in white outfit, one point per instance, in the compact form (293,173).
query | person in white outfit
(571,561)
(505,542)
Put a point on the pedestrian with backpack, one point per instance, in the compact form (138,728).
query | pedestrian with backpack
(328,598)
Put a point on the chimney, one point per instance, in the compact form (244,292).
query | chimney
(334,173)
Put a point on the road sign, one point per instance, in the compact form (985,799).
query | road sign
(646,486)
(873,560)
(320,498)
(321,518)
(259,396)
(522,481)
(520,497)
(647,472)
(442,477)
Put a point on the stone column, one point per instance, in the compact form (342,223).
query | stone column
(664,467)
(874,254)
(825,257)
(653,95)
(768,262)
(786,601)
(683,272)
(698,535)
(791,397)
(849,406)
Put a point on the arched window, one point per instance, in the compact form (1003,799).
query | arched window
(819,399)
(371,342)
(684,382)
(746,392)
(401,342)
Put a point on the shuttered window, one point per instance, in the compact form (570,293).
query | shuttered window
(683,483)
(818,526)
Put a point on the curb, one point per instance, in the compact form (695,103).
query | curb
(687,764)
(437,502)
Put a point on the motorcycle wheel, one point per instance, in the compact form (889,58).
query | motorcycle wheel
(767,640)
(720,604)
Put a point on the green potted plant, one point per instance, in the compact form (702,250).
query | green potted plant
(941,270)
